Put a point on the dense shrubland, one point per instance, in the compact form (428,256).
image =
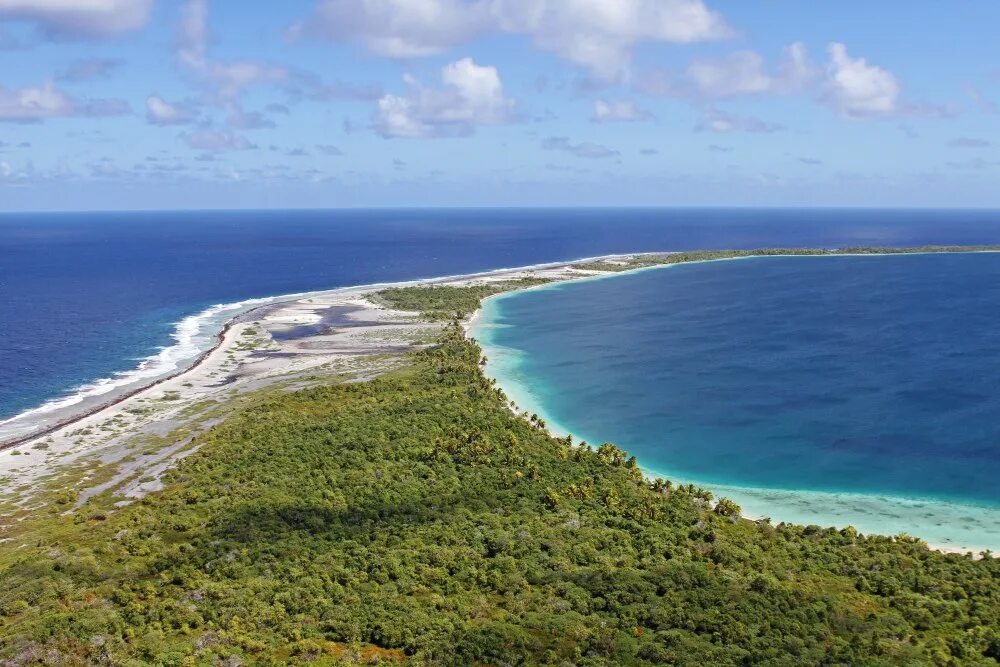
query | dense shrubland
(639,261)
(415,518)
(445,302)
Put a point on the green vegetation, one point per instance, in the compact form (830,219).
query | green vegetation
(443,303)
(414,518)
(633,262)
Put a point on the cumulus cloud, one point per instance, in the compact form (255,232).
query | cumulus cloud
(852,86)
(598,36)
(161,112)
(34,104)
(745,73)
(621,111)
(857,89)
(398,28)
(471,95)
(584,149)
(216,141)
(80,18)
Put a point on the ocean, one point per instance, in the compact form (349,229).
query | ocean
(866,384)
(90,302)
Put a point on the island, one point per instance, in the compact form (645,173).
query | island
(338,481)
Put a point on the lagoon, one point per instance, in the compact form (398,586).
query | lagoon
(827,390)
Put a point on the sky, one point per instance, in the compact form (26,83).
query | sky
(185,104)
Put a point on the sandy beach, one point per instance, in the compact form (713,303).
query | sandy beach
(121,441)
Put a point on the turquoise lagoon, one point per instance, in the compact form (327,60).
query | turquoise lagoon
(850,390)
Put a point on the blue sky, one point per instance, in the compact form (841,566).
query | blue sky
(134,104)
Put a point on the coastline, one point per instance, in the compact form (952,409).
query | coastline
(221,373)
(68,421)
(937,521)
(124,444)
(81,402)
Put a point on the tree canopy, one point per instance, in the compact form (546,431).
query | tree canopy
(415,518)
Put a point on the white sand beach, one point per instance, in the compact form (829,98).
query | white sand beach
(122,440)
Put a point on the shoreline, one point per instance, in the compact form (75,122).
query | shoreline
(69,421)
(130,389)
(288,311)
(794,503)
(254,304)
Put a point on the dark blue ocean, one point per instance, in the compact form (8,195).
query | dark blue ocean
(85,296)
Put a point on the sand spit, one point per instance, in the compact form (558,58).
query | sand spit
(125,443)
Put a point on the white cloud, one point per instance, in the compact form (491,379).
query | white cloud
(192,33)
(621,111)
(796,70)
(80,18)
(161,112)
(745,73)
(471,95)
(25,105)
(857,89)
(597,35)
(33,104)
(600,36)
(738,74)
(398,28)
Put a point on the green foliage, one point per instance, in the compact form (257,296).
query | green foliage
(726,507)
(445,302)
(414,518)
(647,260)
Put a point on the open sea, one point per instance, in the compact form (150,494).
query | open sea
(853,377)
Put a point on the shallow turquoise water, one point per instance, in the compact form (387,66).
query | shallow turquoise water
(830,390)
